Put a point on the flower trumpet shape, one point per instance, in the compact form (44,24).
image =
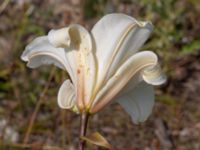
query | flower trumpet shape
(104,65)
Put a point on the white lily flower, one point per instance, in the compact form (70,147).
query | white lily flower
(103,65)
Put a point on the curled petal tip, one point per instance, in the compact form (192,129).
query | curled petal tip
(24,57)
(154,75)
(59,38)
(26,52)
(66,95)
(145,24)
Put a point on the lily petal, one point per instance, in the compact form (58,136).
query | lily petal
(139,102)
(41,48)
(79,51)
(117,37)
(59,37)
(66,95)
(134,65)
(153,75)
(41,52)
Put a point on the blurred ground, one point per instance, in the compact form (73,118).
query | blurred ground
(174,123)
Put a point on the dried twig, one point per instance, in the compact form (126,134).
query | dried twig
(37,107)
(162,132)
